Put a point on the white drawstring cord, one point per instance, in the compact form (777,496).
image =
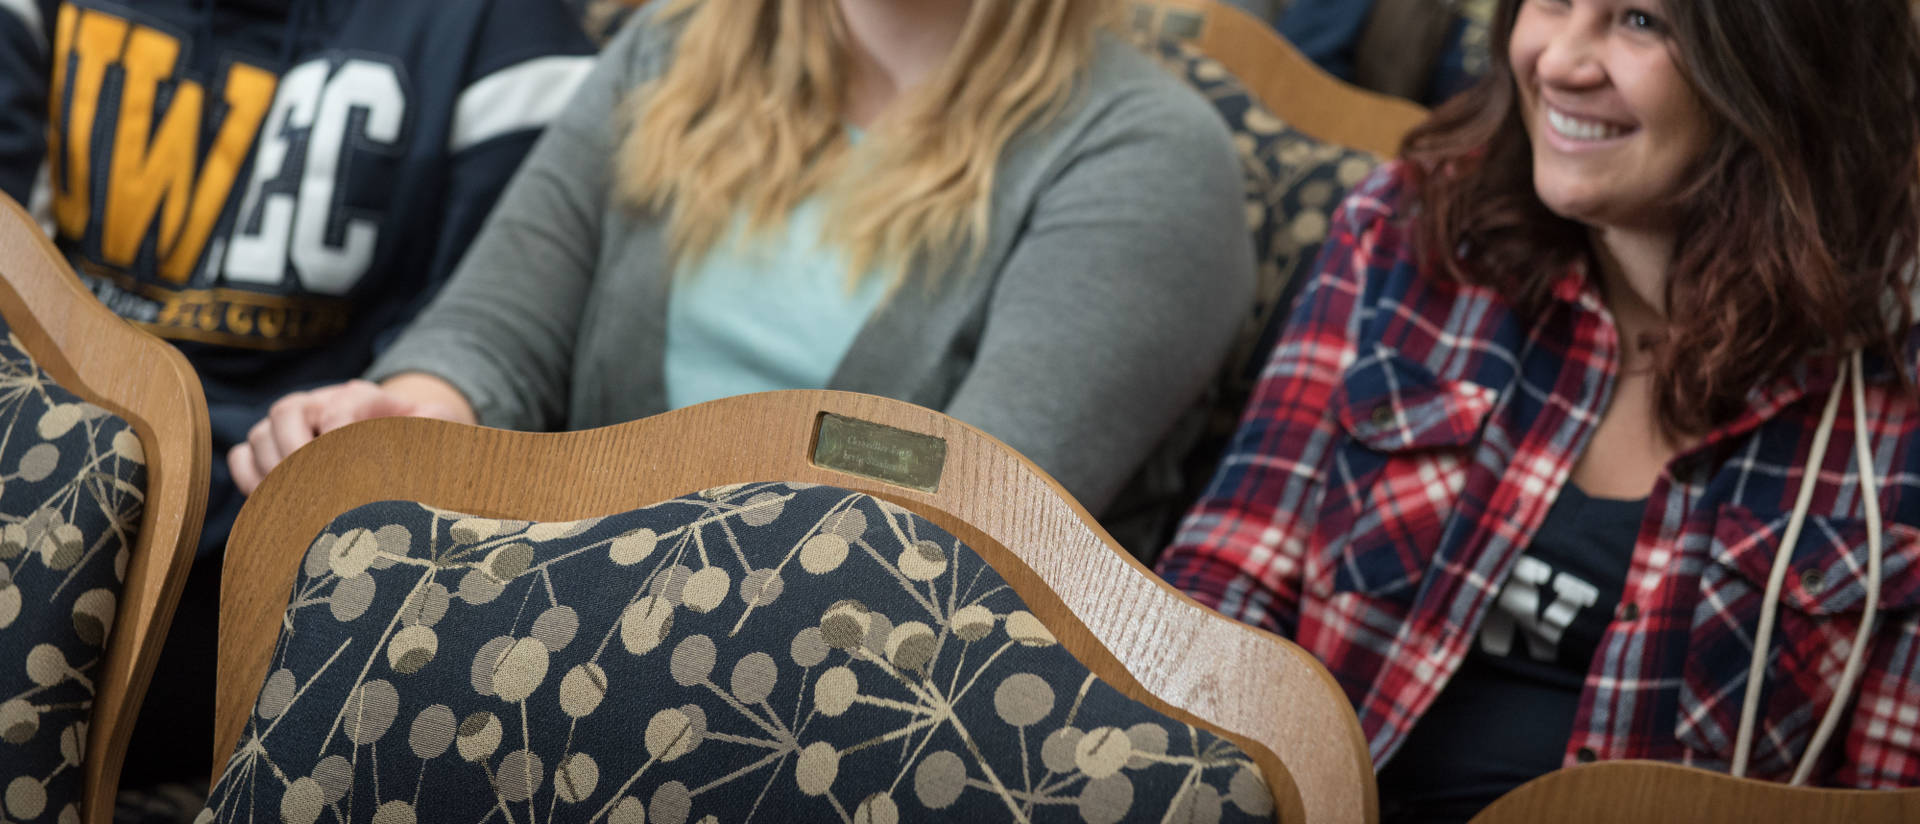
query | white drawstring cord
(1776,577)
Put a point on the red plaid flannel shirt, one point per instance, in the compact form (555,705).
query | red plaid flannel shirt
(1404,445)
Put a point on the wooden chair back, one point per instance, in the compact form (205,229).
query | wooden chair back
(1283,79)
(1656,792)
(94,354)
(1137,633)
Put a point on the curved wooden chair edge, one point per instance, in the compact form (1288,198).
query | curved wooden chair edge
(273,531)
(100,357)
(1655,791)
(1292,87)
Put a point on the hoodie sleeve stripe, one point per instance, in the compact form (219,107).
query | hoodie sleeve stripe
(28,11)
(523,96)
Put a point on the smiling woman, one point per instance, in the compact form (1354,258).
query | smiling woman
(1594,435)
(1613,123)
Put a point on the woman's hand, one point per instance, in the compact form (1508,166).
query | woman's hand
(302,416)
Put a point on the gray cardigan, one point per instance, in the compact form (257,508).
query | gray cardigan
(1119,266)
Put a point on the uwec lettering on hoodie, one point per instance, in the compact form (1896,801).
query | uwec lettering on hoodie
(220,196)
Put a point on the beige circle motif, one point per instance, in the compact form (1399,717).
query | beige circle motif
(46,665)
(582,689)
(1106,800)
(26,798)
(693,660)
(352,553)
(672,733)
(1022,626)
(478,736)
(817,767)
(394,812)
(939,779)
(923,561)
(1102,752)
(823,553)
(754,677)
(432,732)
(1249,792)
(412,648)
(645,624)
(972,623)
(370,711)
(877,809)
(630,810)
(277,694)
(706,590)
(520,775)
(1023,699)
(633,547)
(1056,752)
(672,803)
(910,646)
(303,802)
(521,670)
(835,691)
(575,778)
(808,648)
(556,627)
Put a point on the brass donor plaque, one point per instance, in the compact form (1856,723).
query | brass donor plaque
(881,452)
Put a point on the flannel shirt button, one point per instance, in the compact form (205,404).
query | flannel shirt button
(1812,580)
(1630,611)
(1383,415)
(1586,755)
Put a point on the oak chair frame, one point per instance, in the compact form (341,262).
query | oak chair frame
(1661,793)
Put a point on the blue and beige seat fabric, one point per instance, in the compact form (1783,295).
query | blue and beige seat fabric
(767,652)
(72,481)
(1294,182)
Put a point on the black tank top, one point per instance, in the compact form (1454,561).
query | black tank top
(1505,717)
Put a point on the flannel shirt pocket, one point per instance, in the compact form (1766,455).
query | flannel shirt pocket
(1405,440)
(1822,600)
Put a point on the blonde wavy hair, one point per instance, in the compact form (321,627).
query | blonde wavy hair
(748,120)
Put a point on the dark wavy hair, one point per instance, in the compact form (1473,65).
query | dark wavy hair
(1799,225)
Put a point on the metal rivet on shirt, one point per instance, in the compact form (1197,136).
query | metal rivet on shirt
(1586,755)
(1383,415)
(1630,611)
(1813,579)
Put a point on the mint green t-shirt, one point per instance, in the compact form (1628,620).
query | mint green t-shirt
(764,311)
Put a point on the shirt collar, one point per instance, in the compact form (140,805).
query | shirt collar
(1813,374)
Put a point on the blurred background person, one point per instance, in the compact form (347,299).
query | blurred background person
(275,186)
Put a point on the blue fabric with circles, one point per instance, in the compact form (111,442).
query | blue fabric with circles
(770,652)
(72,489)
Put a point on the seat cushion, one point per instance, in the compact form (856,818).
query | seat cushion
(72,481)
(770,652)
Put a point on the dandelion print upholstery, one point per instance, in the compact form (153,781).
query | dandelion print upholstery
(765,652)
(72,481)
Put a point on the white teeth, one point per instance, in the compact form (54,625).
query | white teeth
(1576,129)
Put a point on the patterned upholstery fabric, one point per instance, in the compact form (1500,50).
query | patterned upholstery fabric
(764,652)
(72,481)
(1293,184)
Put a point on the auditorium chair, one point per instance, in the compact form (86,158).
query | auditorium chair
(348,629)
(104,453)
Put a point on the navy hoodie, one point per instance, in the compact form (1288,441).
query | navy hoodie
(274,185)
